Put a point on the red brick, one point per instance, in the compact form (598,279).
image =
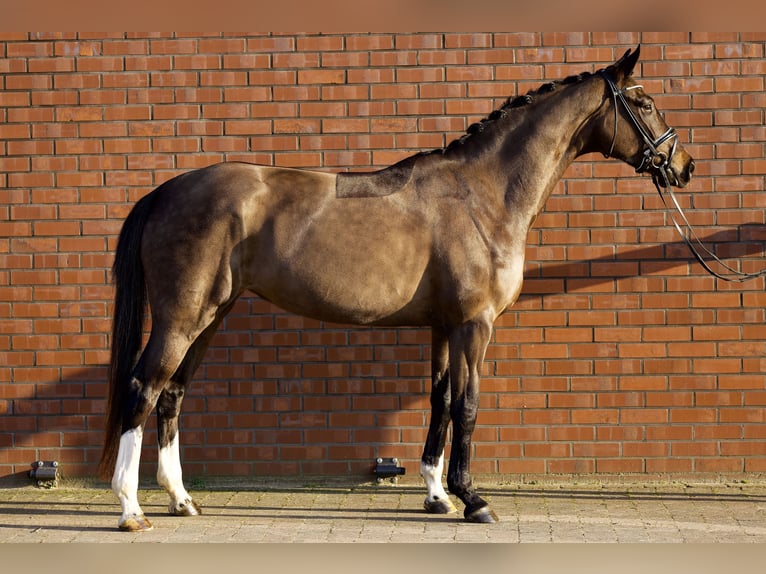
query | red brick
(621,465)
(321,76)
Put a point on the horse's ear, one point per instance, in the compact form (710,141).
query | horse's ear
(623,67)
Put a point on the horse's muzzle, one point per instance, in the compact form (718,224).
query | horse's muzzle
(684,176)
(680,169)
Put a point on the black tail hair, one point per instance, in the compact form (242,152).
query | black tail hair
(127,326)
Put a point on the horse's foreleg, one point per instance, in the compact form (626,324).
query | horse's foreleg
(467,345)
(432,463)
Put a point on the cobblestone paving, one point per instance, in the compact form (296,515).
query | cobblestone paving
(618,513)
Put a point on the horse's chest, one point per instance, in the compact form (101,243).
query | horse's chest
(507,280)
(487,285)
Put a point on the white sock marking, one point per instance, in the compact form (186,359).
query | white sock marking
(169,473)
(125,478)
(433,477)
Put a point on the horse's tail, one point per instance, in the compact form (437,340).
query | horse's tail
(127,326)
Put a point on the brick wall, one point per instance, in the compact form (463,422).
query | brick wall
(621,355)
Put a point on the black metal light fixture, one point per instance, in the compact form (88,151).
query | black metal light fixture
(388,468)
(45,473)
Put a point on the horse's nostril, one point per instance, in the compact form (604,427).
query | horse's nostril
(691,167)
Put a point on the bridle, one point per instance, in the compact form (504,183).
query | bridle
(657,163)
(652,157)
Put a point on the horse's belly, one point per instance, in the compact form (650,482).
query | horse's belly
(344,293)
(351,271)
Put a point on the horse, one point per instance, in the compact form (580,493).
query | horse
(436,240)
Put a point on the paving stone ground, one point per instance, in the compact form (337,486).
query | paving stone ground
(551,512)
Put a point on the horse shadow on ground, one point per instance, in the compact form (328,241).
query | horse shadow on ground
(362,508)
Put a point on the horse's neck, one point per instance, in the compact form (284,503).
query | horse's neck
(535,157)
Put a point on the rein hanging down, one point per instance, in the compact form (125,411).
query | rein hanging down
(659,164)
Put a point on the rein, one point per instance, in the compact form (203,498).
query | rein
(659,163)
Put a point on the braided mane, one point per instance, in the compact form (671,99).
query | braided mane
(510,104)
(390,179)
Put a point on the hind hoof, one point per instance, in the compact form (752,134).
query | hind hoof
(439,506)
(186,508)
(137,523)
(483,515)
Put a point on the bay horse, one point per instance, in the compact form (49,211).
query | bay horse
(435,240)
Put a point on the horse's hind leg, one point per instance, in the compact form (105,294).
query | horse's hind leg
(125,480)
(432,463)
(163,354)
(169,475)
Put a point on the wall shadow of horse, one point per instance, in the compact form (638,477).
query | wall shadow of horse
(79,454)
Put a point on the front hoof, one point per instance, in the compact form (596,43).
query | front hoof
(136,523)
(482,515)
(439,506)
(186,508)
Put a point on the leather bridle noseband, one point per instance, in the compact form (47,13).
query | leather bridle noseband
(658,164)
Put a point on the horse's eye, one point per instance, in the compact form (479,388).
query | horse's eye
(647,108)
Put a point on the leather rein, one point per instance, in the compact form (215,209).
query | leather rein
(658,164)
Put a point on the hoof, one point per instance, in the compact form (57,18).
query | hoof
(439,506)
(186,508)
(139,523)
(482,515)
